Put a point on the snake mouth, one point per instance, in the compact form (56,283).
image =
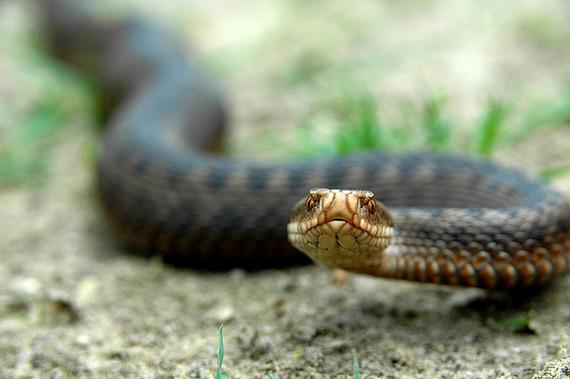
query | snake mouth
(338,234)
(336,225)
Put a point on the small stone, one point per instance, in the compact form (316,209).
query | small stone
(87,290)
(27,286)
(52,311)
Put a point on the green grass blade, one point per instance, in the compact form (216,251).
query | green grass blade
(25,156)
(550,113)
(219,373)
(360,128)
(555,173)
(355,368)
(489,127)
(437,126)
(25,147)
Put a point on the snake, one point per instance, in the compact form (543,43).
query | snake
(166,188)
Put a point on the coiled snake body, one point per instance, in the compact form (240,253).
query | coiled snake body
(453,220)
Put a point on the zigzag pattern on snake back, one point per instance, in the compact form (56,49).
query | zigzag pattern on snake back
(164,189)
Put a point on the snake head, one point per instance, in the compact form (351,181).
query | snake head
(340,228)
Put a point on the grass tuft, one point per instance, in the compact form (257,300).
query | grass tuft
(549,113)
(307,67)
(26,144)
(25,155)
(360,127)
(544,32)
(348,121)
(345,120)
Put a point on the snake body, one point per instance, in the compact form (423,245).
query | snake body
(164,188)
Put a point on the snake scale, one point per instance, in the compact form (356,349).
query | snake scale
(164,188)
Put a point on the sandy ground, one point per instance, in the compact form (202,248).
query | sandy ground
(74,304)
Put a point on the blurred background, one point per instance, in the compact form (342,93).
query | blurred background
(326,77)
(302,78)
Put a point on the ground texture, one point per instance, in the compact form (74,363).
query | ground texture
(74,304)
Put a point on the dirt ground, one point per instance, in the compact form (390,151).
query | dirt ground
(74,304)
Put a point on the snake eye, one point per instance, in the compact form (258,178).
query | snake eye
(371,206)
(312,202)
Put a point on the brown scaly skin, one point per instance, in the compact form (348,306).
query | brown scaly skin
(488,248)
(456,221)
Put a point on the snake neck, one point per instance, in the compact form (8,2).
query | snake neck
(485,248)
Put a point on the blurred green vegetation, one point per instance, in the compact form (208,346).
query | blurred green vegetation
(521,323)
(544,32)
(343,114)
(26,145)
(344,118)
(355,123)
